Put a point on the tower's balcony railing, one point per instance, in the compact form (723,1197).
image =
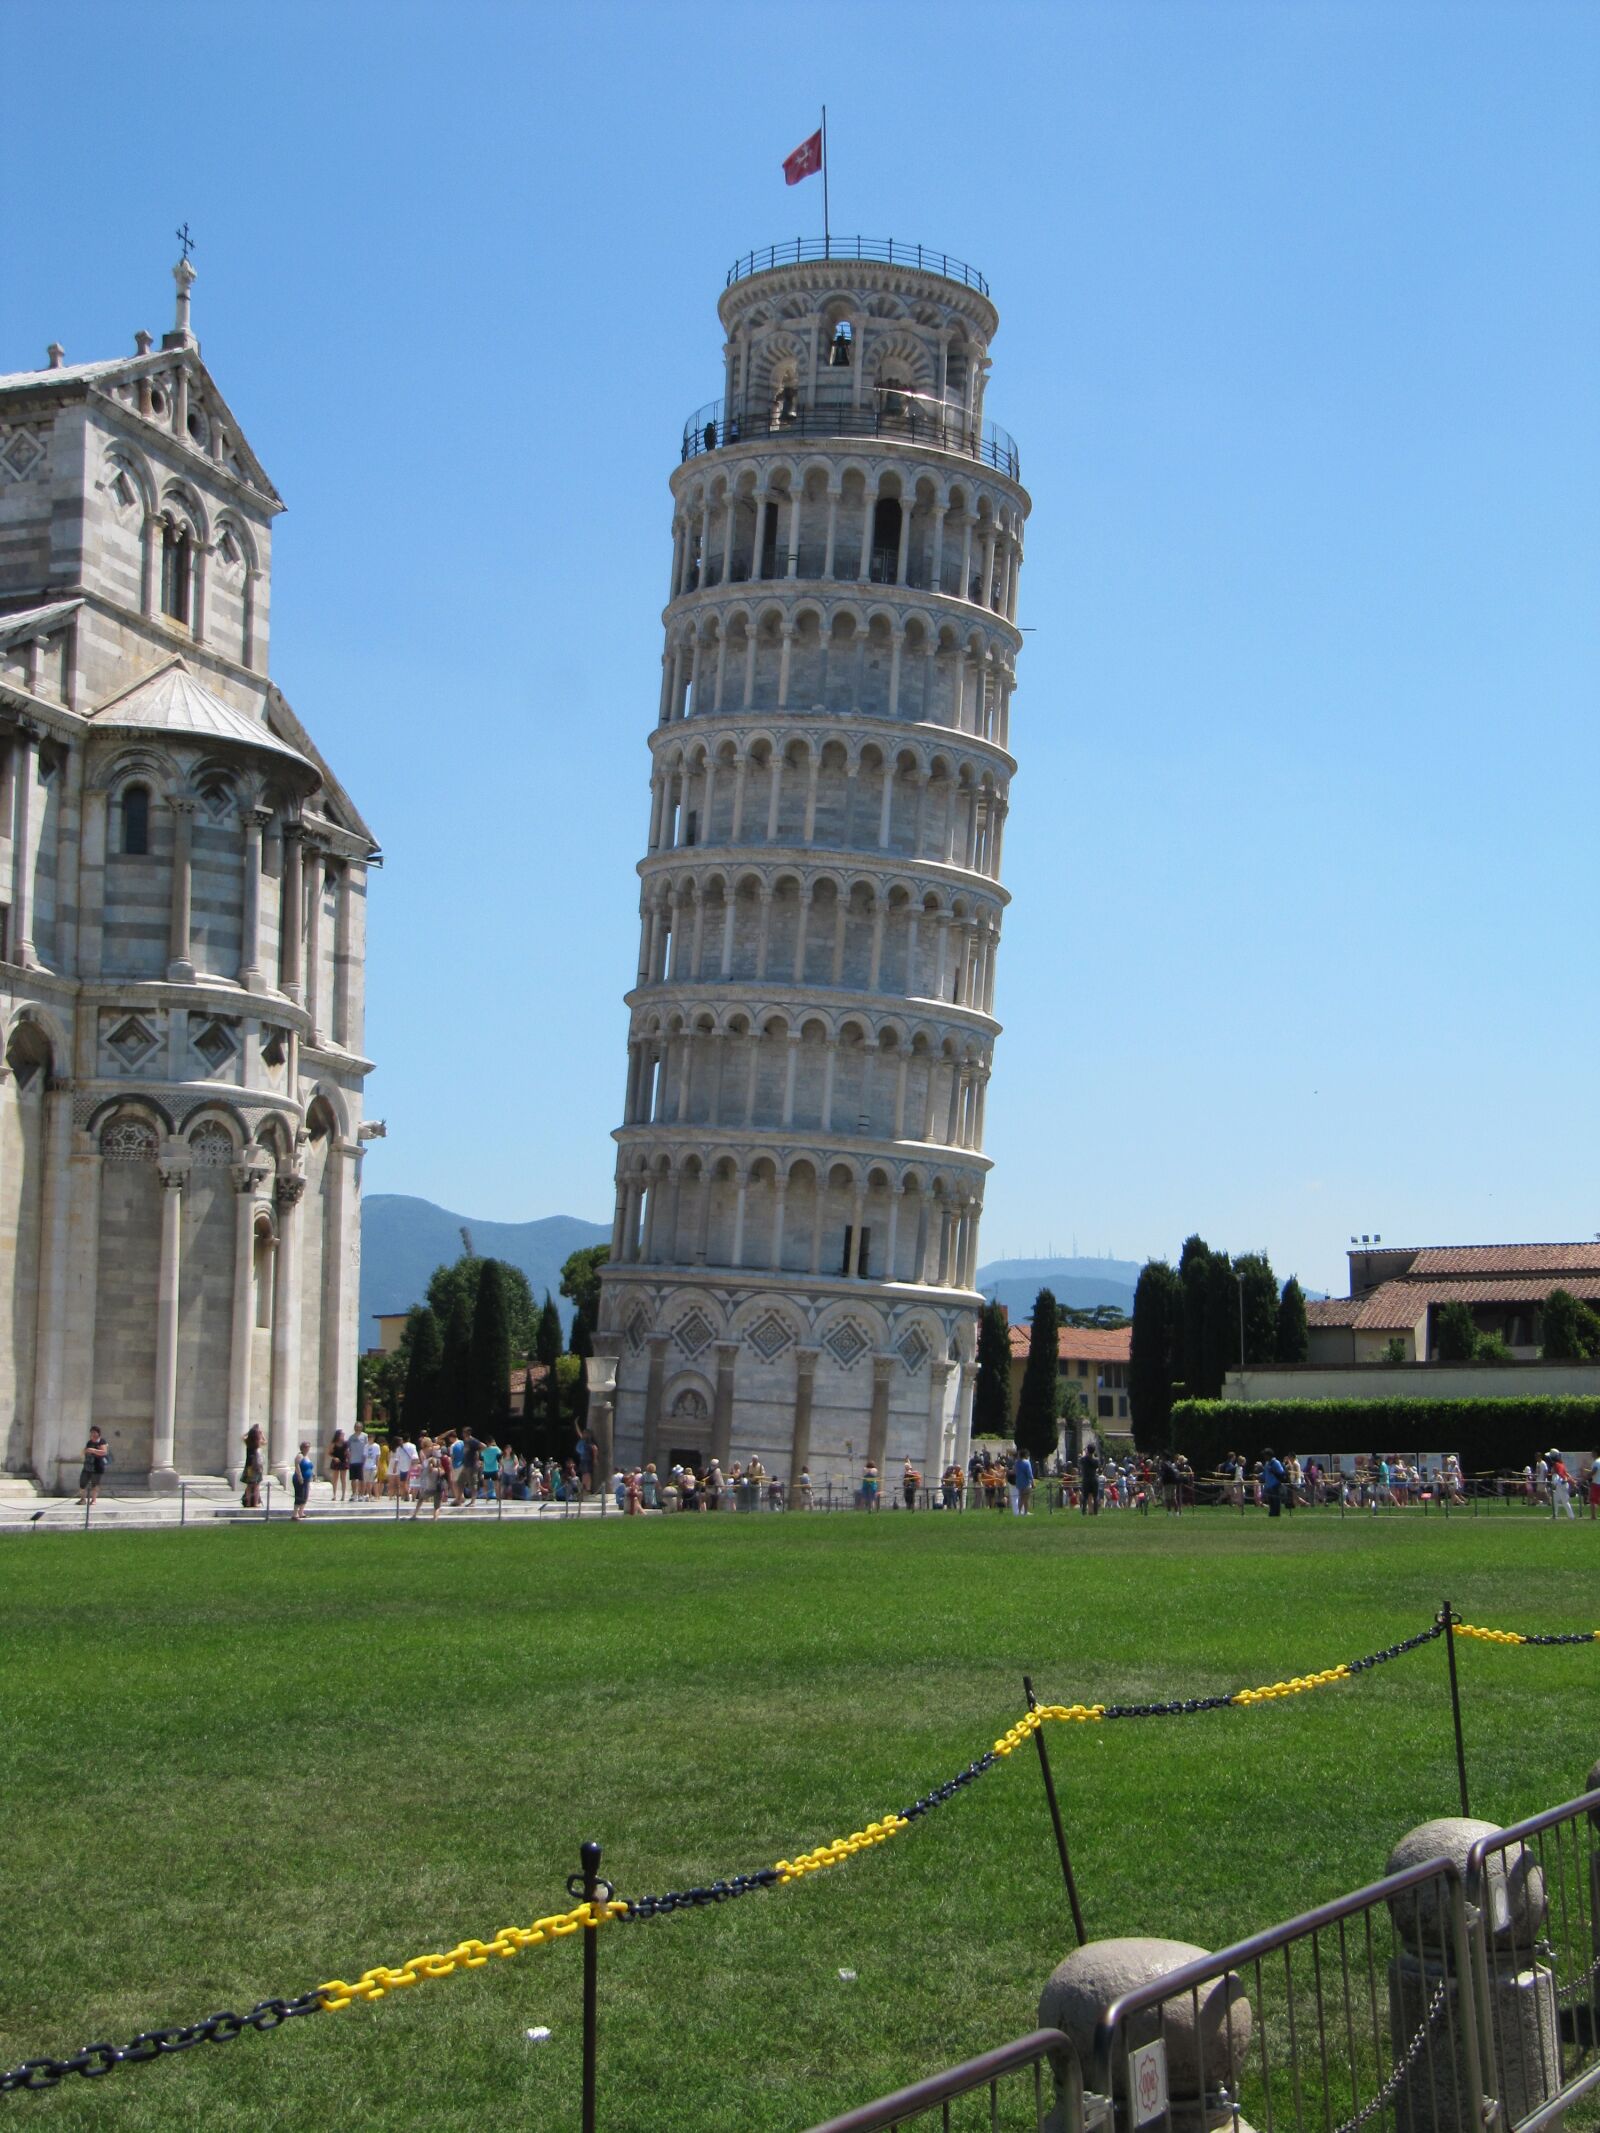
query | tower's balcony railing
(897,417)
(886,251)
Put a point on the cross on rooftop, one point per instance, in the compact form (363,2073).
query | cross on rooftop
(185,240)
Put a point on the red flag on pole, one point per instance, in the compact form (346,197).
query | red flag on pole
(806,160)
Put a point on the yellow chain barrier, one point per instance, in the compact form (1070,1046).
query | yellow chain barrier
(1030,1722)
(1297,1687)
(469,1954)
(842,1848)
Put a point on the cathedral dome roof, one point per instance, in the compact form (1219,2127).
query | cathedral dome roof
(173,701)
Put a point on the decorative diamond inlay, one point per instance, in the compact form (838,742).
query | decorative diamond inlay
(21,453)
(215,1046)
(847,1343)
(638,1329)
(132,1041)
(694,1333)
(913,1348)
(769,1336)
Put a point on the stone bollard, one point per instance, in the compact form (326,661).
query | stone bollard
(1203,2060)
(1520,2057)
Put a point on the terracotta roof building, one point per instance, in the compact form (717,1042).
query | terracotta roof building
(1094,1359)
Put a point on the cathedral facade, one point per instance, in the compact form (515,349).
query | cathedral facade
(182,927)
(800,1165)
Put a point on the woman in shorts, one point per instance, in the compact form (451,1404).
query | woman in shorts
(96,1454)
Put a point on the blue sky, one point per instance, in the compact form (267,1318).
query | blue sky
(1299,313)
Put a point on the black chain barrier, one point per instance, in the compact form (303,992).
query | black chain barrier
(96,2060)
(641,1908)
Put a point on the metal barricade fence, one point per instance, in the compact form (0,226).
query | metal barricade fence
(1011,2090)
(1360,2011)
(1534,1897)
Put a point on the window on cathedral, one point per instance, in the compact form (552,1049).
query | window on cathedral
(136,821)
(857,1248)
(177,571)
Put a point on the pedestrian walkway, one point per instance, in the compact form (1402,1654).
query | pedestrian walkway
(203,1500)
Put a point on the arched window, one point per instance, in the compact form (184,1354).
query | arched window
(136,821)
(885,539)
(177,571)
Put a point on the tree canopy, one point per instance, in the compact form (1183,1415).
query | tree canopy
(1294,1335)
(1571,1329)
(580,1279)
(460,1276)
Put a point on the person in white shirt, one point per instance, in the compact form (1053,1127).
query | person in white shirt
(401,1461)
(358,1461)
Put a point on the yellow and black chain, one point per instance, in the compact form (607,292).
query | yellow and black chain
(95,2060)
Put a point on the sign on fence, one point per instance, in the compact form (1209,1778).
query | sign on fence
(1147,2082)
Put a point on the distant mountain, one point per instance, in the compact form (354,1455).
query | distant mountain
(1082,1283)
(403,1240)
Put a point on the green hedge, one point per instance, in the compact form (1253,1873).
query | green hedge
(1484,1434)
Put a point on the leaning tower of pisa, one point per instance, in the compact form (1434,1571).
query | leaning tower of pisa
(800,1165)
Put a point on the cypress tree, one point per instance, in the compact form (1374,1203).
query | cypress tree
(580,1342)
(991,1399)
(455,1367)
(1156,1346)
(419,1411)
(1035,1428)
(1293,1343)
(547,1350)
(1260,1289)
(1194,1270)
(489,1373)
(1220,1325)
(530,1437)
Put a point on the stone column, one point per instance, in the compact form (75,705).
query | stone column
(736,1256)
(24,777)
(601,1373)
(892,1242)
(51,1304)
(805,1364)
(1442,2090)
(1206,2032)
(250,928)
(652,1397)
(316,1005)
(780,1192)
(833,530)
(290,913)
(284,1409)
(248,1178)
(878,1427)
(969,1379)
(174,1173)
(340,1031)
(180,970)
(933,1458)
(722,1413)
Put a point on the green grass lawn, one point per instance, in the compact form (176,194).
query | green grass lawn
(240,1762)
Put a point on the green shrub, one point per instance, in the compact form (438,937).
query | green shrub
(1484,1434)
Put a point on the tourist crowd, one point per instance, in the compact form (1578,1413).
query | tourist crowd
(457,1468)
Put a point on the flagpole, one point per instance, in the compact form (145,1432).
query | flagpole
(827,241)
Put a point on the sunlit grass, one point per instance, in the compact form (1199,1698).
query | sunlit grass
(241,1762)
